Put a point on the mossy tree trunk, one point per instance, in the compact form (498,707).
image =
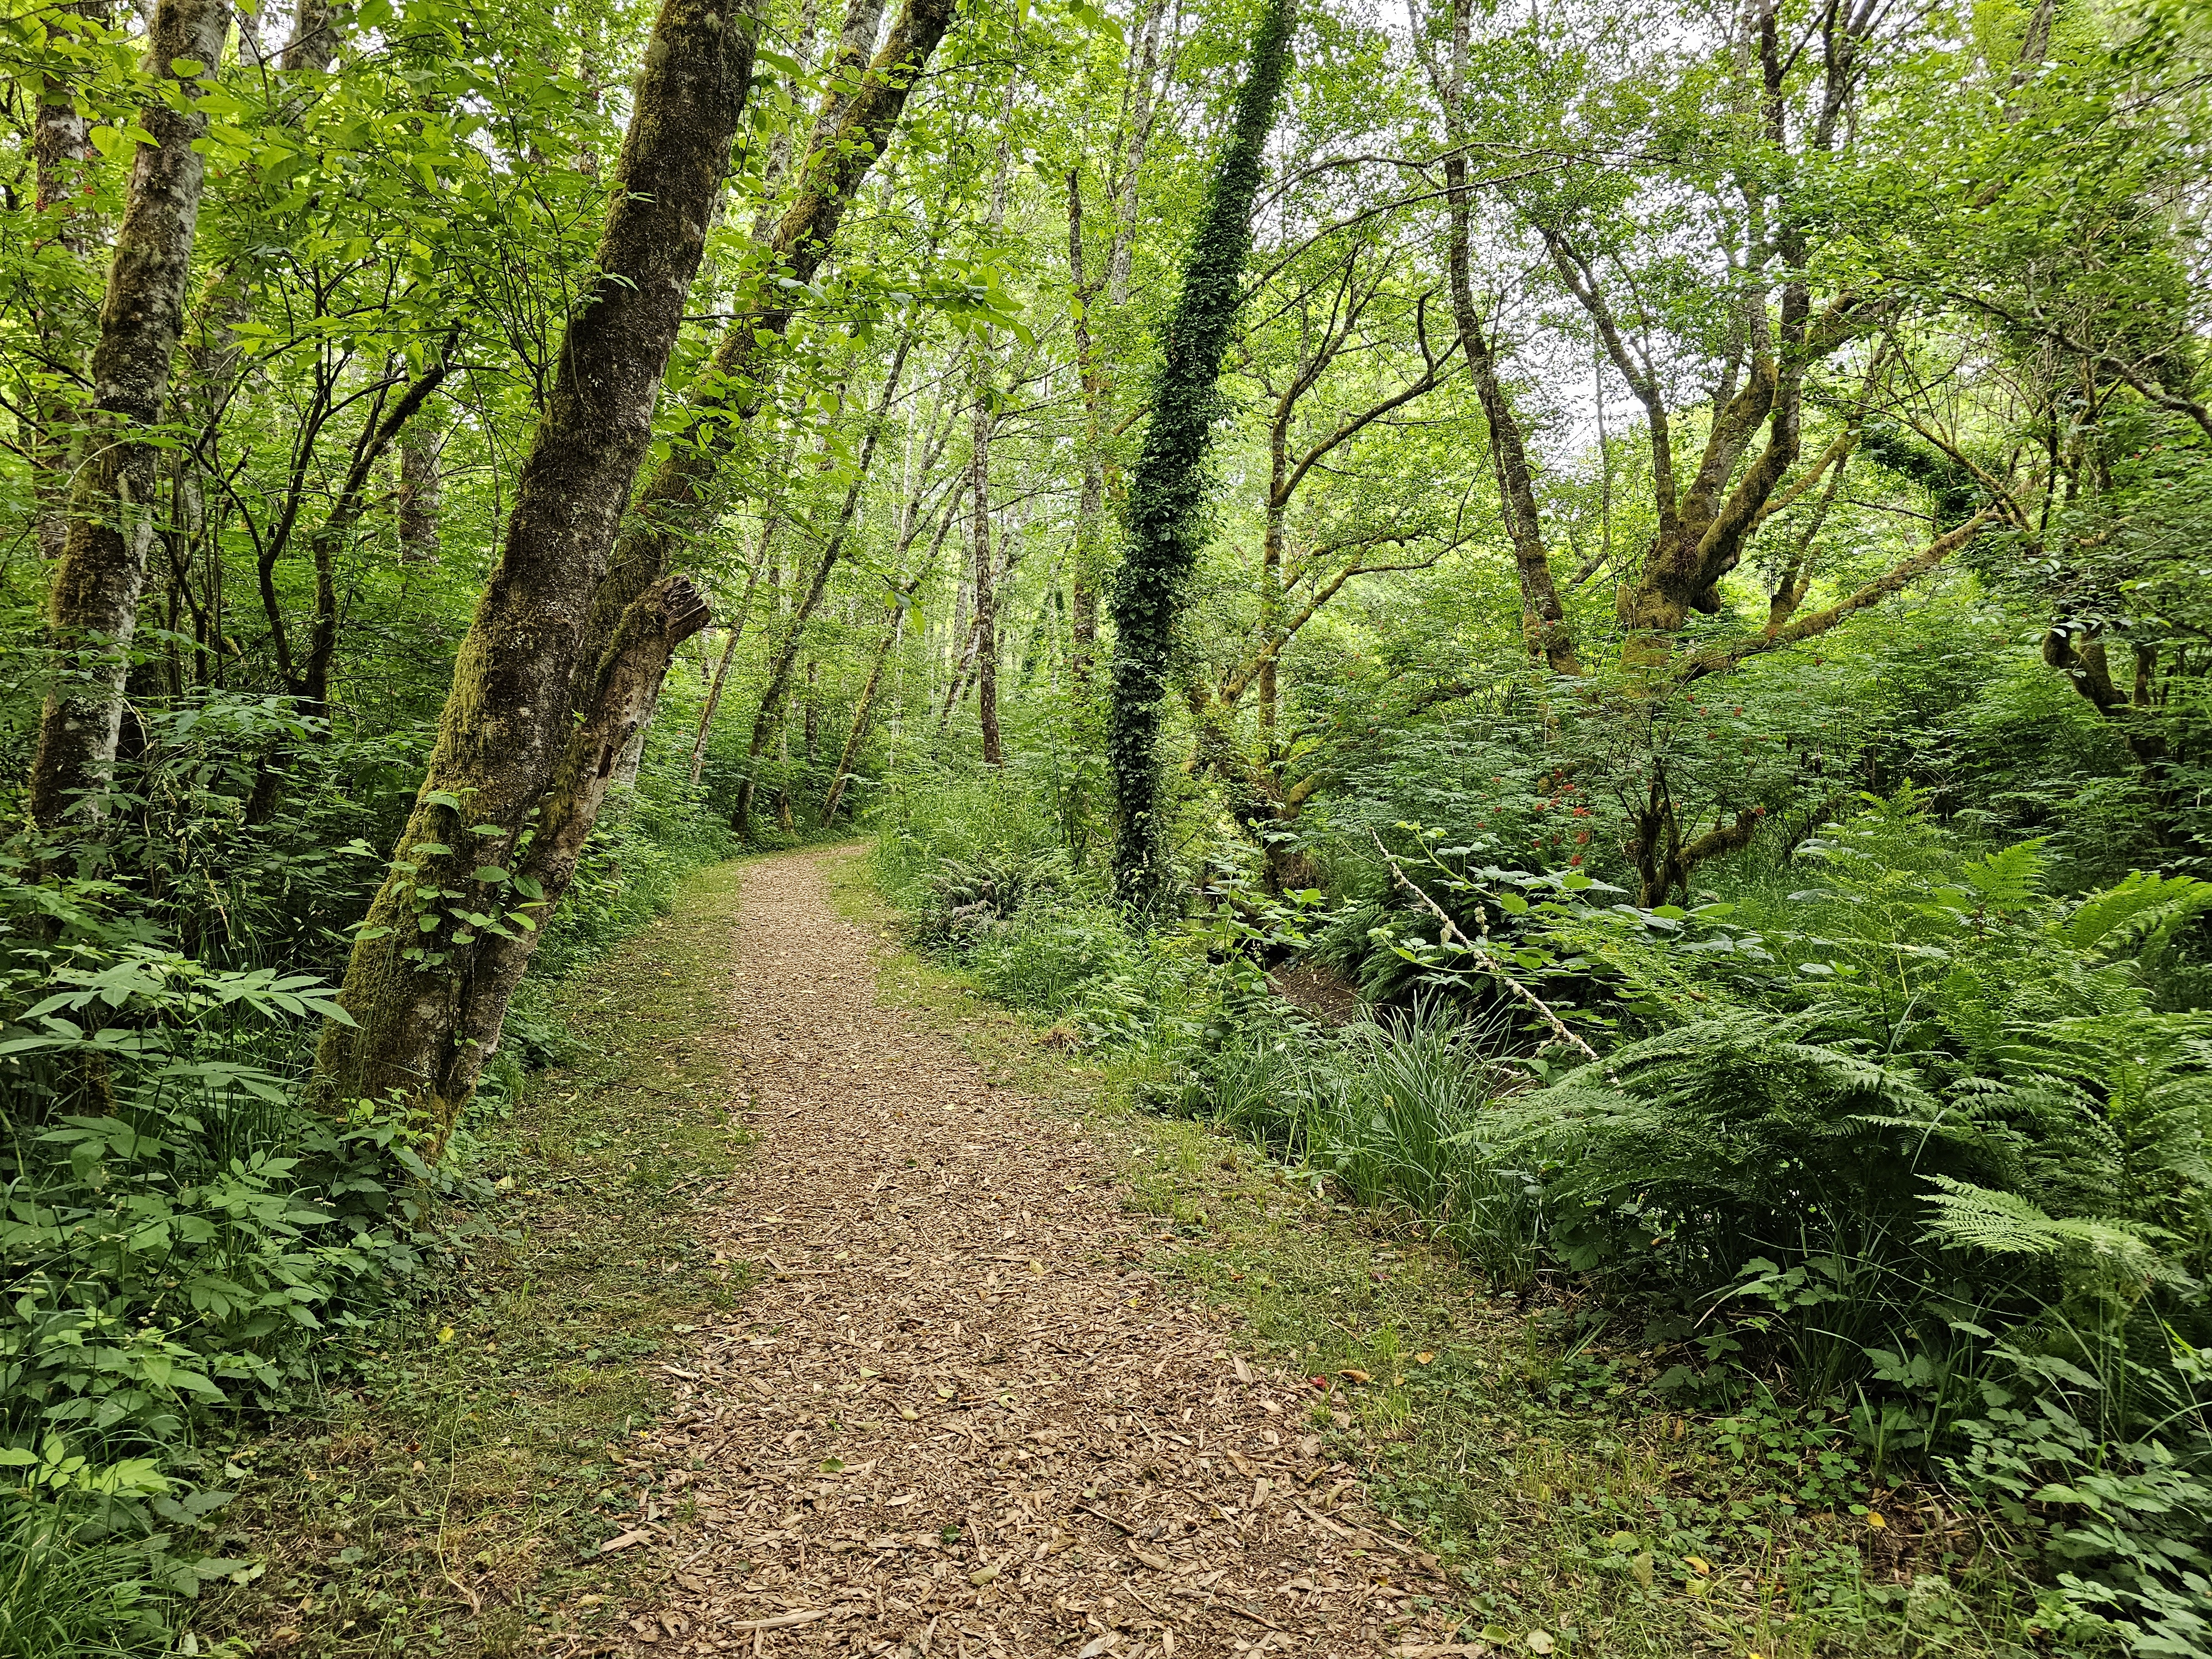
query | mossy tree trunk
(430,961)
(1165,524)
(864,101)
(113,503)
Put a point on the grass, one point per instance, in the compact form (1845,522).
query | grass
(448,1495)
(1518,1434)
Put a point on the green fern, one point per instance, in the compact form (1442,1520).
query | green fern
(2007,880)
(2145,909)
(2006,1223)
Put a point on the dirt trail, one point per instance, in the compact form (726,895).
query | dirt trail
(956,1420)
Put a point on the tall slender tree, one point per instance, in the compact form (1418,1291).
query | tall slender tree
(1165,520)
(113,505)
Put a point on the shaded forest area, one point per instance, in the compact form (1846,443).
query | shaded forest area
(1590,625)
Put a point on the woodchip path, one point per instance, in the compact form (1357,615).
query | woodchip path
(953,1417)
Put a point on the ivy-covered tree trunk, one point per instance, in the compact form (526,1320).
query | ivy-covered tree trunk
(459,878)
(1165,524)
(113,501)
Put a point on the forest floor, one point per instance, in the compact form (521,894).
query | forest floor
(823,1308)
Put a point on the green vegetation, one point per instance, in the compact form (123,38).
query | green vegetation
(1653,575)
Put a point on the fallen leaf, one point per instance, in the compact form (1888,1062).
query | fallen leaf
(447,1334)
(1875,1520)
(1098,1644)
(983,1575)
(1642,1566)
(1354,1374)
(1623,1541)
(1156,1563)
(1540,1642)
(1425,1359)
(1704,1567)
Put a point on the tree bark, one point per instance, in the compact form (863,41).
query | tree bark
(424,979)
(1543,620)
(625,688)
(1138,110)
(422,487)
(987,592)
(980,422)
(62,157)
(678,501)
(94,604)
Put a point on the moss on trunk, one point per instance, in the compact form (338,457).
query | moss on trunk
(458,878)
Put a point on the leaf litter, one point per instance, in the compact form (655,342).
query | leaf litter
(949,1420)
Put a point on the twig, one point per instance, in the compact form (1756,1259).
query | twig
(1491,965)
(783,1620)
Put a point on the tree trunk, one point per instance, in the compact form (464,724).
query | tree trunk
(627,682)
(1137,113)
(1543,620)
(987,592)
(1168,490)
(866,702)
(62,158)
(980,422)
(768,527)
(768,719)
(677,502)
(425,974)
(94,605)
(420,487)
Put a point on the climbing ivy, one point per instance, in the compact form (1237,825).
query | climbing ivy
(1164,524)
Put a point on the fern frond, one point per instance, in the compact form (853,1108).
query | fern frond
(2010,878)
(2006,1223)
(2139,907)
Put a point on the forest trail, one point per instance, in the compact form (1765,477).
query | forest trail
(951,1416)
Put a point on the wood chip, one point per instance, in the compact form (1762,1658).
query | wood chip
(888,1463)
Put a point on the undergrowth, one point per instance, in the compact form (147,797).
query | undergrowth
(1894,1182)
(449,1494)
